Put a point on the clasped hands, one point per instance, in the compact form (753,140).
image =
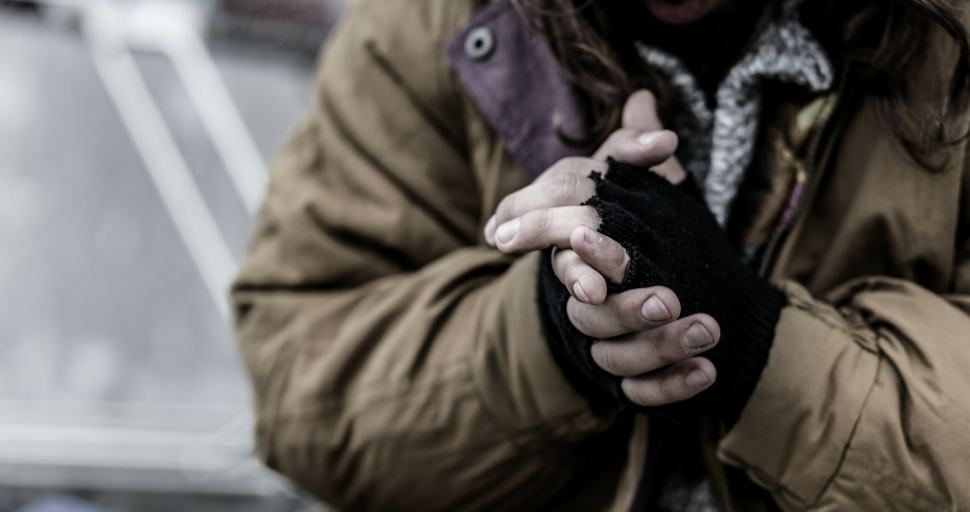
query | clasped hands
(640,334)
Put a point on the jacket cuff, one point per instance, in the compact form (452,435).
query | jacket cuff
(521,383)
(784,439)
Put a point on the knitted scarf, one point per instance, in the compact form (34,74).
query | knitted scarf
(716,145)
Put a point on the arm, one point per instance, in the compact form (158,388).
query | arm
(866,392)
(863,403)
(397,365)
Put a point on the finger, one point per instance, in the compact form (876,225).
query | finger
(539,229)
(622,313)
(671,170)
(600,252)
(518,203)
(645,351)
(672,384)
(638,147)
(653,150)
(640,114)
(584,283)
(640,111)
(562,189)
(572,165)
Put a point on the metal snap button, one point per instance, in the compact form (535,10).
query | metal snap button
(480,43)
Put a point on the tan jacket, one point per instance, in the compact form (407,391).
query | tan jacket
(398,362)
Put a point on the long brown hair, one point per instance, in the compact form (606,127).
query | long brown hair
(882,42)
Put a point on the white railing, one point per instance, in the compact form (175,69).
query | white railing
(148,446)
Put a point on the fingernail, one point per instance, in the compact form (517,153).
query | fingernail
(490,230)
(580,293)
(506,232)
(654,310)
(697,337)
(696,379)
(592,237)
(649,138)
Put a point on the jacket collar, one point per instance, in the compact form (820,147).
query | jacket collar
(513,78)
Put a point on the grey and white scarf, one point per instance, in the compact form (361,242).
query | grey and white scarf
(716,146)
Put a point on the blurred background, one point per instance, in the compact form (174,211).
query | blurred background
(134,137)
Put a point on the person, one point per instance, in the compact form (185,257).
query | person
(629,255)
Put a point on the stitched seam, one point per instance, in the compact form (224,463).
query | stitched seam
(852,432)
(414,98)
(320,406)
(453,229)
(775,487)
(901,491)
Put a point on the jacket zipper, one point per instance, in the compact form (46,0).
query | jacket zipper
(806,178)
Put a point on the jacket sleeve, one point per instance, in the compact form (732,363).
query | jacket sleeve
(398,363)
(864,403)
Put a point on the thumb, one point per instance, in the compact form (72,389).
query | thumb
(640,111)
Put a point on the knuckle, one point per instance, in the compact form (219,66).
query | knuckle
(563,189)
(557,168)
(658,354)
(578,165)
(618,267)
(568,164)
(617,257)
(541,220)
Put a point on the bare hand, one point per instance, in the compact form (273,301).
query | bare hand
(642,338)
(546,212)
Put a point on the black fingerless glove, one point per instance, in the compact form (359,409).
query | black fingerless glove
(673,241)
